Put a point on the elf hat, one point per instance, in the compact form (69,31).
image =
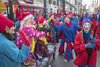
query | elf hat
(33,12)
(70,15)
(40,12)
(51,15)
(45,21)
(86,19)
(65,13)
(74,14)
(41,21)
(27,15)
(60,14)
(4,21)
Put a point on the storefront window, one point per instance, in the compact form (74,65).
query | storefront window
(67,6)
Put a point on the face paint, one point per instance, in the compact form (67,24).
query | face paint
(67,19)
(86,27)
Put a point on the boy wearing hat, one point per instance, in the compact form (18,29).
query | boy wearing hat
(86,45)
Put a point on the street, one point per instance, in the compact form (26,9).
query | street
(59,60)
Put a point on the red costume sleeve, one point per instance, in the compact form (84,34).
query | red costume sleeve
(97,47)
(78,46)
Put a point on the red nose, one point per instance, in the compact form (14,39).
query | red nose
(86,28)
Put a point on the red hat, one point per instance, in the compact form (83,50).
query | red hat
(70,15)
(20,18)
(22,10)
(27,15)
(45,21)
(65,13)
(74,14)
(40,12)
(60,14)
(33,12)
(51,15)
(27,10)
(41,20)
(4,21)
(93,15)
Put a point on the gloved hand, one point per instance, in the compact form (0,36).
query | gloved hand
(93,40)
(80,28)
(90,45)
(25,38)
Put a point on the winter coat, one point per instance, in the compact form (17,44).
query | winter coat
(68,32)
(79,47)
(75,19)
(10,55)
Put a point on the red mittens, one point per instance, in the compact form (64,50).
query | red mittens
(25,38)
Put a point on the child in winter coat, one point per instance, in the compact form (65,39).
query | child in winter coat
(28,30)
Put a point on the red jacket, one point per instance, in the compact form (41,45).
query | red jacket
(81,49)
(93,26)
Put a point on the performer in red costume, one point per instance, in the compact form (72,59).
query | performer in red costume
(86,45)
(39,17)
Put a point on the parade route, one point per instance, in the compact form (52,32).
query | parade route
(59,60)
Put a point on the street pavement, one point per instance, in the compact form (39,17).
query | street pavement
(59,60)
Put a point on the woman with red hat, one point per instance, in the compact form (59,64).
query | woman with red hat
(10,54)
(86,45)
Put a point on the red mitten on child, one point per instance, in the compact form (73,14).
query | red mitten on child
(25,38)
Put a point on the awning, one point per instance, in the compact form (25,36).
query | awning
(17,2)
(2,7)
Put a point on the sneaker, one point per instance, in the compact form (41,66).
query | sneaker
(65,60)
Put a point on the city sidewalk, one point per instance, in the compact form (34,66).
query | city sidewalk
(59,60)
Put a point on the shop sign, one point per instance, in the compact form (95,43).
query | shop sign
(29,1)
(15,7)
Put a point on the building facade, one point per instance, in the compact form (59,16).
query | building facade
(79,5)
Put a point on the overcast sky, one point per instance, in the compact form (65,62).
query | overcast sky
(88,2)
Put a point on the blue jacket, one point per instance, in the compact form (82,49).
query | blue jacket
(17,24)
(71,33)
(75,19)
(10,55)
